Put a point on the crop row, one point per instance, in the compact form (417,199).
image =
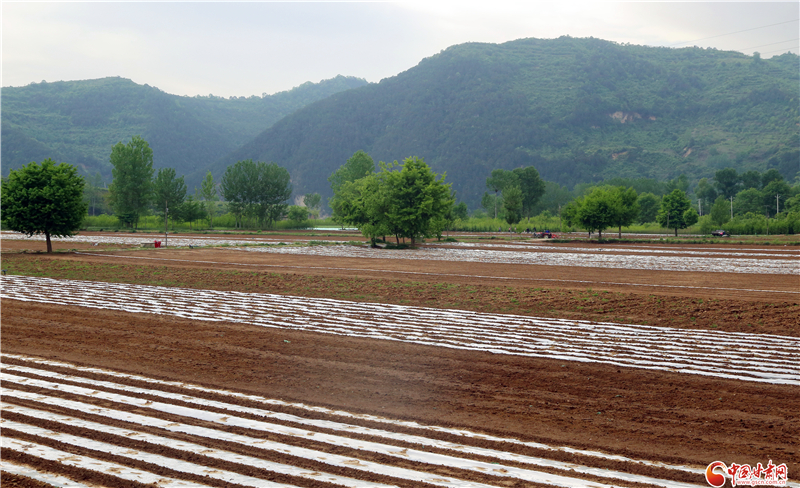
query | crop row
(751,357)
(563,258)
(682,250)
(154,431)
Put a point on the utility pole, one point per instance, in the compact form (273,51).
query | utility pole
(166,217)
(731,208)
(777,205)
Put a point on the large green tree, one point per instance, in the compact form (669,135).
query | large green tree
(237,189)
(298,215)
(751,179)
(130,191)
(513,204)
(648,207)
(532,186)
(418,197)
(44,199)
(364,204)
(746,201)
(627,207)
(256,189)
(359,165)
(274,189)
(727,182)
(592,212)
(411,202)
(677,211)
(601,208)
(721,209)
(169,192)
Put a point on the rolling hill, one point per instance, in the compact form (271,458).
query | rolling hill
(79,121)
(579,110)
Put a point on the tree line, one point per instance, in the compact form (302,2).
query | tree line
(135,187)
(621,202)
(406,200)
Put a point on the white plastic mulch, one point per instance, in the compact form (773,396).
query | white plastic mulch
(254,424)
(750,357)
(565,257)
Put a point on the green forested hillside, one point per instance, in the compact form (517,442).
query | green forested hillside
(580,110)
(79,121)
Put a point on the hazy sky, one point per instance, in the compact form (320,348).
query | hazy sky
(250,48)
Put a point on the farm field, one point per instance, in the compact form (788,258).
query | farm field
(474,363)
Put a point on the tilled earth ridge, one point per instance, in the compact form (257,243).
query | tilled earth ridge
(32,399)
(658,416)
(665,417)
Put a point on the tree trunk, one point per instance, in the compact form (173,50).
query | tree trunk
(620,232)
(676,232)
(49,244)
(599,235)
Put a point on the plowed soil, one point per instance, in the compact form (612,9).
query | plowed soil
(659,416)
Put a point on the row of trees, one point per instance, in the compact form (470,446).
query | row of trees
(252,189)
(726,195)
(134,189)
(405,200)
(616,206)
(730,194)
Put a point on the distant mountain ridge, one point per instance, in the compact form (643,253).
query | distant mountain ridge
(79,121)
(578,109)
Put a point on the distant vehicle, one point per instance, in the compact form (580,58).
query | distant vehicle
(720,233)
(545,234)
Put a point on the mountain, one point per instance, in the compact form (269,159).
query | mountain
(79,121)
(579,110)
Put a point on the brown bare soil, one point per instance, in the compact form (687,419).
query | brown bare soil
(660,416)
